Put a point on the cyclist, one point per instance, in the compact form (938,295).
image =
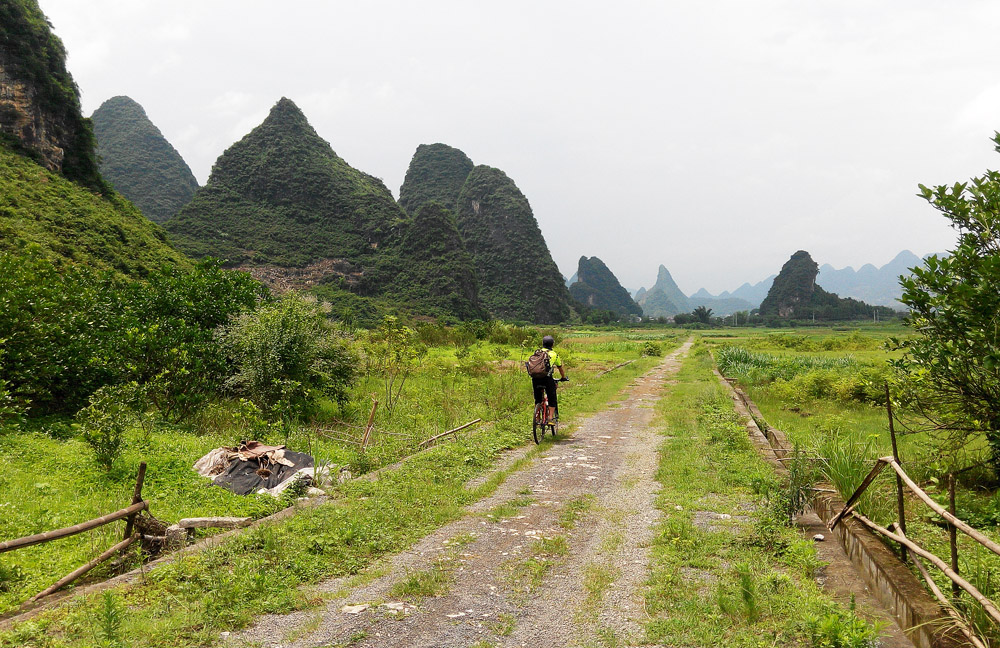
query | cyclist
(546,385)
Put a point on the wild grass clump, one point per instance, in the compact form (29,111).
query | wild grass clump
(799,379)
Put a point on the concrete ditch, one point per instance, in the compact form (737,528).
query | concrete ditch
(891,582)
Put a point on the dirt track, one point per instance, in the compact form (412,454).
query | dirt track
(512,580)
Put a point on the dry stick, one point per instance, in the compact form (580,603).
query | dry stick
(371,424)
(39,538)
(940,564)
(136,498)
(879,466)
(77,573)
(949,608)
(963,527)
(953,533)
(455,431)
(895,456)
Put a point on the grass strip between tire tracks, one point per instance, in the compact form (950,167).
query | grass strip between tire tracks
(726,568)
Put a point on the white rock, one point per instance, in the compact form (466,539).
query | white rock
(354,609)
(312,491)
(678,508)
(819,537)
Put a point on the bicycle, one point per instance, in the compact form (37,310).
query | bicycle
(541,420)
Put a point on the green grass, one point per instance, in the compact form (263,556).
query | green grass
(52,481)
(741,583)
(434,581)
(190,601)
(574,510)
(849,436)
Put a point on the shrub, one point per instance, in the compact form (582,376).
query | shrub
(105,421)
(70,331)
(652,349)
(286,354)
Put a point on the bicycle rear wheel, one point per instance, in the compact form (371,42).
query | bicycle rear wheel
(537,426)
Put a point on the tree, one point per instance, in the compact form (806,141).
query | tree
(703,315)
(953,361)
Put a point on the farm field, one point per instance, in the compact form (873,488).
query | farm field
(825,389)
(574,518)
(51,480)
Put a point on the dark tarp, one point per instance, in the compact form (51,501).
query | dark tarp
(242,477)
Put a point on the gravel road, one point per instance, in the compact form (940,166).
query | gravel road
(566,563)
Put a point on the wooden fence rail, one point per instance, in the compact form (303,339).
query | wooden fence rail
(128,513)
(897,533)
(49,536)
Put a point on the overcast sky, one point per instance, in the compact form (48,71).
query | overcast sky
(715,138)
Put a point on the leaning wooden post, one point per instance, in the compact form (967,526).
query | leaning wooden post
(899,481)
(371,424)
(136,498)
(77,573)
(956,591)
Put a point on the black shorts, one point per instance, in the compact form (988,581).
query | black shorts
(547,386)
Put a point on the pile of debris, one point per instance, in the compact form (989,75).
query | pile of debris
(253,467)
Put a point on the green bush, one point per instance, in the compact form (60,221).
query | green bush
(105,420)
(286,354)
(652,349)
(801,378)
(69,331)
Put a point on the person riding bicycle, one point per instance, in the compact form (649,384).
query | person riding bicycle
(546,385)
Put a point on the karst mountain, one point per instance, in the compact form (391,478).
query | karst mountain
(664,299)
(796,295)
(282,197)
(429,269)
(597,287)
(518,280)
(437,172)
(516,274)
(52,196)
(138,160)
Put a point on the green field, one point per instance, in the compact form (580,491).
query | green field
(52,481)
(825,389)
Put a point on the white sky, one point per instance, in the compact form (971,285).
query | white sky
(714,137)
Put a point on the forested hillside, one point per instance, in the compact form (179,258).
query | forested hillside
(139,162)
(517,277)
(39,101)
(598,288)
(429,271)
(436,173)
(281,196)
(70,223)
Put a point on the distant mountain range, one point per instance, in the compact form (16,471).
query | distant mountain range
(878,286)
(796,295)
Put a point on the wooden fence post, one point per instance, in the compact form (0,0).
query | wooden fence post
(371,424)
(899,481)
(956,591)
(136,498)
